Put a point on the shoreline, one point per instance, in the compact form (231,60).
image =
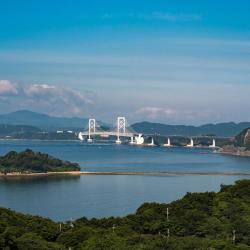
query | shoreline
(163,174)
(245,154)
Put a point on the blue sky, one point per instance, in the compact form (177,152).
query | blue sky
(166,61)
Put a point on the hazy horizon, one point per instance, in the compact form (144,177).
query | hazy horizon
(113,122)
(181,62)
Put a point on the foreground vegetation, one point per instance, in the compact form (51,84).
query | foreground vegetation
(197,221)
(31,162)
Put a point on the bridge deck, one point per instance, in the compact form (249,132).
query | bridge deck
(109,133)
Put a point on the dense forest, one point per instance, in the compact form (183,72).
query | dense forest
(197,221)
(32,162)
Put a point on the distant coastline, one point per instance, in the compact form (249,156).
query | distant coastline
(235,151)
(166,174)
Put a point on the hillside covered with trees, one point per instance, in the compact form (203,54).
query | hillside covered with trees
(10,130)
(32,162)
(197,221)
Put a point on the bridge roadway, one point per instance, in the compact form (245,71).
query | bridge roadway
(109,133)
(130,134)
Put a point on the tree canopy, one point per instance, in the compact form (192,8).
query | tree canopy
(197,221)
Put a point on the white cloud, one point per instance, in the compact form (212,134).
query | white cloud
(155,112)
(170,115)
(7,88)
(54,100)
(167,16)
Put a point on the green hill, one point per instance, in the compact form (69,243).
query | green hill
(14,130)
(197,221)
(31,162)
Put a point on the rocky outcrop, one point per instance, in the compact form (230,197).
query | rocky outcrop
(243,138)
(241,145)
(234,150)
(247,137)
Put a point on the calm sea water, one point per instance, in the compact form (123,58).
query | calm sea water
(62,198)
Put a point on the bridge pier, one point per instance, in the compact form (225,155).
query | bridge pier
(168,144)
(213,145)
(131,140)
(118,141)
(191,144)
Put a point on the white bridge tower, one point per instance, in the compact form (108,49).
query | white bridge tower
(121,128)
(92,126)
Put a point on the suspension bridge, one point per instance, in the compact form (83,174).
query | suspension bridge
(120,130)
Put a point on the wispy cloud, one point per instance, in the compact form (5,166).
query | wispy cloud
(158,15)
(47,98)
(173,115)
(167,16)
(7,88)
(155,112)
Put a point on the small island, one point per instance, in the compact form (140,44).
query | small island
(30,162)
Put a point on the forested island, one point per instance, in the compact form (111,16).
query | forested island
(197,221)
(33,162)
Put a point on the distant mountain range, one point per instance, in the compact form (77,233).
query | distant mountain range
(228,129)
(50,123)
(43,121)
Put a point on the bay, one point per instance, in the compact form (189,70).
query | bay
(63,198)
